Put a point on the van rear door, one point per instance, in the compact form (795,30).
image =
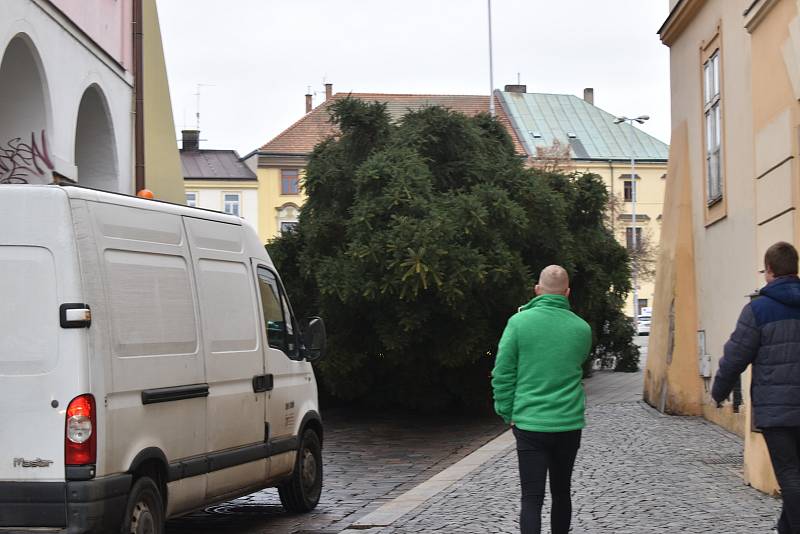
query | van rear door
(42,365)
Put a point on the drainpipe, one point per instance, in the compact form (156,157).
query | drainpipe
(138,84)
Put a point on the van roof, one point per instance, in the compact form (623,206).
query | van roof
(97,195)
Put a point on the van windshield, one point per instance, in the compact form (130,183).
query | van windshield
(28,310)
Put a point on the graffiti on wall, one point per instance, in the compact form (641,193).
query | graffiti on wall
(22,163)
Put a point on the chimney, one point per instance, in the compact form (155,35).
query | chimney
(309,105)
(328,91)
(588,95)
(190,140)
(516,88)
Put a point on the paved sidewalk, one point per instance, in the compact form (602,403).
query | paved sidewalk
(638,472)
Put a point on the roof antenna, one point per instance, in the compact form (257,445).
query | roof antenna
(197,94)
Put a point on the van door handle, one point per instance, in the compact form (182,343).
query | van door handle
(75,315)
(262,383)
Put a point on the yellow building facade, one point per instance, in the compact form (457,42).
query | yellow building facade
(279,200)
(732,191)
(651,182)
(161,159)
(588,139)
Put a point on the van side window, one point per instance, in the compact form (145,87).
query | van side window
(280,331)
(291,348)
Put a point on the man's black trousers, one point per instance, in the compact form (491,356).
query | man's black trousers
(540,454)
(784,450)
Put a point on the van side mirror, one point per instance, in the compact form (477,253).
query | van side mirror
(314,339)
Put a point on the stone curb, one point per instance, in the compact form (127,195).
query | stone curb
(400,506)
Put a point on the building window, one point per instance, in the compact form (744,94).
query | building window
(629,237)
(287,227)
(643,303)
(231,204)
(191,199)
(290,182)
(713,127)
(628,190)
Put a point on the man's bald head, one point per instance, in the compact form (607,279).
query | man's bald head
(553,280)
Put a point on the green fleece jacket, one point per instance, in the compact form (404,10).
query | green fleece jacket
(537,375)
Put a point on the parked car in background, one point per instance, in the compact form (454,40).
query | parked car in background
(643,325)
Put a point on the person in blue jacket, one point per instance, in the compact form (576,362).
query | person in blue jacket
(767,336)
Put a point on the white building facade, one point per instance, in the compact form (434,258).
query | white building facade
(218,180)
(66,91)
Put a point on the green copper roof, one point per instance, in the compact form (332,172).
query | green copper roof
(540,119)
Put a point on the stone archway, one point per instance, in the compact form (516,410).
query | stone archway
(24,121)
(95,146)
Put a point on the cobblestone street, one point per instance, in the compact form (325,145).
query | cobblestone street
(638,472)
(369,460)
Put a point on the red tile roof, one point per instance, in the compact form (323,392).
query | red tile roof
(301,137)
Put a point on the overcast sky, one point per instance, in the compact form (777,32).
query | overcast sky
(260,56)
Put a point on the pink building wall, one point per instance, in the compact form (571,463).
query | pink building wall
(107,22)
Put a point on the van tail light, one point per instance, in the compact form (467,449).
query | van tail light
(80,434)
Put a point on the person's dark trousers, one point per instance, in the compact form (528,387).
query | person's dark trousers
(784,450)
(541,453)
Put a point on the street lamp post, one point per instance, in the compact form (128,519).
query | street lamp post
(491,66)
(634,242)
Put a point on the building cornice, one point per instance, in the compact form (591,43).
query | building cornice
(254,179)
(628,217)
(219,184)
(756,13)
(273,159)
(622,161)
(679,19)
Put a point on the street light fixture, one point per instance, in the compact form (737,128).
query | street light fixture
(634,271)
(641,119)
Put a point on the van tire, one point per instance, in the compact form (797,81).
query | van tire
(302,491)
(144,513)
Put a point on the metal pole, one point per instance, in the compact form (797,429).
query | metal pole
(634,194)
(491,66)
(635,241)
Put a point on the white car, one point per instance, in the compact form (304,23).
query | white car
(643,325)
(150,365)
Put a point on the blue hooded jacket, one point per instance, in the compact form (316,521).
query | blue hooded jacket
(767,336)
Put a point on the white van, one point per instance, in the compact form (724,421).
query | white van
(150,365)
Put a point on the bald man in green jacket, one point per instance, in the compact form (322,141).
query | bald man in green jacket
(538,389)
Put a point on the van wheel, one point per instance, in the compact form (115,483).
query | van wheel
(302,491)
(145,511)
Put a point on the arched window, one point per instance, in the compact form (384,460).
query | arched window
(287,217)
